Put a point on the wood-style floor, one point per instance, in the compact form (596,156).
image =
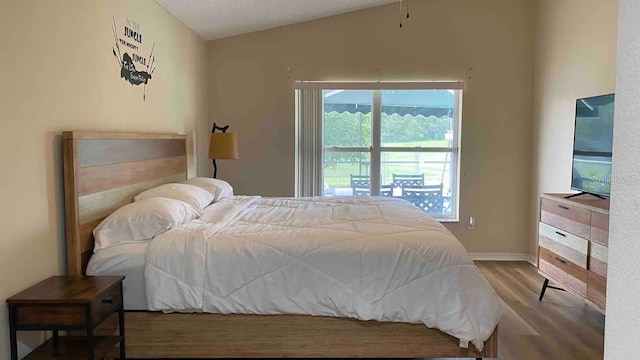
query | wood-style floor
(560,327)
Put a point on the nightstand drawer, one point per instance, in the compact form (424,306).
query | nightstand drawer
(568,246)
(106,304)
(563,271)
(566,217)
(51,315)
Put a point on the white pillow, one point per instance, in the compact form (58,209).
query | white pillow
(220,189)
(142,220)
(192,195)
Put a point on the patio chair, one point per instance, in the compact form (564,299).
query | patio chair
(403,181)
(360,181)
(427,197)
(386,190)
(361,191)
(360,185)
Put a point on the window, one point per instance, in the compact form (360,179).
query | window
(398,140)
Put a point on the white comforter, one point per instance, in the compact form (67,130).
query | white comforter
(366,258)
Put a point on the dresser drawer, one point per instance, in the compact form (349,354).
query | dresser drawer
(597,290)
(567,245)
(563,271)
(598,259)
(600,228)
(566,217)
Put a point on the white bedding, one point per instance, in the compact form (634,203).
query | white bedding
(366,258)
(125,259)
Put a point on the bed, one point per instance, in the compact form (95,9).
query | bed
(103,171)
(126,260)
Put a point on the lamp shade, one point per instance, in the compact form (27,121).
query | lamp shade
(223,146)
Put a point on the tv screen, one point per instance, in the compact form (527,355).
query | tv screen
(592,145)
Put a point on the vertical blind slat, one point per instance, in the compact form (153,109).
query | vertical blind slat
(310,145)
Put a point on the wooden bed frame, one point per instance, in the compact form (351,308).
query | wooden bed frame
(103,171)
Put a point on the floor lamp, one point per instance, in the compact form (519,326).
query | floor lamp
(223,145)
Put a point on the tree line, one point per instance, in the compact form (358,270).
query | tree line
(347,129)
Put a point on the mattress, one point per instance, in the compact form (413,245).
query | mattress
(366,258)
(126,259)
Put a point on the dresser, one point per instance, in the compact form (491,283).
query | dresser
(572,246)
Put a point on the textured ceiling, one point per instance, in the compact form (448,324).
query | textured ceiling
(215,19)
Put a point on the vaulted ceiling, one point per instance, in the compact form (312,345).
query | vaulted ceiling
(215,19)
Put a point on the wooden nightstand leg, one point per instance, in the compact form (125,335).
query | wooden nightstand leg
(12,333)
(55,338)
(121,324)
(91,342)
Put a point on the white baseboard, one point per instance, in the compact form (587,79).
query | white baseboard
(504,257)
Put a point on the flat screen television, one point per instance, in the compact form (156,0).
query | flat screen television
(593,144)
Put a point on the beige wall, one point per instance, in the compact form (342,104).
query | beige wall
(57,73)
(488,44)
(575,57)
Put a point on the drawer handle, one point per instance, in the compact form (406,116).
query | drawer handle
(561,260)
(107,301)
(561,234)
(563,207)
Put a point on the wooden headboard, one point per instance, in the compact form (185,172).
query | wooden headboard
(104,171)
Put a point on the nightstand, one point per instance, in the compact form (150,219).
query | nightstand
(69,303)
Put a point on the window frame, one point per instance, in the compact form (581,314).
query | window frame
(376,149)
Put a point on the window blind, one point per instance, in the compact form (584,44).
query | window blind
(309,147)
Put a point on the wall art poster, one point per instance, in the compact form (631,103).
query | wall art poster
(137,61)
